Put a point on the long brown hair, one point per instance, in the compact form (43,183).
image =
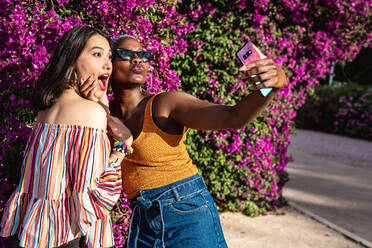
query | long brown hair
(58,74)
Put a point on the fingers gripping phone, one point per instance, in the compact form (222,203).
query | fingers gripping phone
(248,53)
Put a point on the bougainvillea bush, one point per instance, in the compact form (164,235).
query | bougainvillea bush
(344,109)
(245,168)
(194,43)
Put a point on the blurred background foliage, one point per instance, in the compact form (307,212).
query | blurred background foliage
(343,105)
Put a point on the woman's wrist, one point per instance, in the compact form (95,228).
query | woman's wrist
(122,147)
(119,155)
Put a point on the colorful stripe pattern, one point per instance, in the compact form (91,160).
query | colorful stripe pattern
(68,185)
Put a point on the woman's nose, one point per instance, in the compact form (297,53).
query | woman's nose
(108,64)
(136,59)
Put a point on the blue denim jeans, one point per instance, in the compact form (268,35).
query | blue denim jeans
(179,215)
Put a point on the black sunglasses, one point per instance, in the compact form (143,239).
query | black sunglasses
(126,54)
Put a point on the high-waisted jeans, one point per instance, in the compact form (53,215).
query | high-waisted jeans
(178,215)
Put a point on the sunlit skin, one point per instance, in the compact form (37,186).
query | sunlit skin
(95,62)
(129,101)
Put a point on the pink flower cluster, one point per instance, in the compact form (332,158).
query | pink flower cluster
(355,114)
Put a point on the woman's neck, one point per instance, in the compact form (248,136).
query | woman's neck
(126,102)
(68,93)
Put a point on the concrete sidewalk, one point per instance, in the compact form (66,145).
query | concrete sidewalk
(292,229)
(331,176)
(331,181)
(349,151)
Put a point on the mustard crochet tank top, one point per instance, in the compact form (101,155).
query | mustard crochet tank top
(159,158)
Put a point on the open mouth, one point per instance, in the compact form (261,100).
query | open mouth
(103,81)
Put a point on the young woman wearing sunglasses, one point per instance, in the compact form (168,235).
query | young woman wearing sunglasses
(171,204)
(70,179)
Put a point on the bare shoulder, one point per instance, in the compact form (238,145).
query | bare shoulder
(179,98)
(84,112)
(174,97)
(92,113)
(168,102)
(165,102)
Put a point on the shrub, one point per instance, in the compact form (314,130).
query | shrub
(245,169)
(344,109)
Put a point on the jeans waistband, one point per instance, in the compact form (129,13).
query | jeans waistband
(171,192)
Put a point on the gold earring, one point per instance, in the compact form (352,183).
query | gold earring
(146,89)
(149,88)
(142,89)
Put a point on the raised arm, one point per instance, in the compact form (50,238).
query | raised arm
(194,113)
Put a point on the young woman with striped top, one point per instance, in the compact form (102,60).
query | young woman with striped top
(70,178)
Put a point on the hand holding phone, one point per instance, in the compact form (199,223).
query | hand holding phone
(248,53)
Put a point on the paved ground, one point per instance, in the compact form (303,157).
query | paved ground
(290,230)
(331,177)
(348,151)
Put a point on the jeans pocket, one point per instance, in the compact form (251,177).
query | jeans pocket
(189,205)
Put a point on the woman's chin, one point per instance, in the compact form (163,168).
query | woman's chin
(99,94)
(138,78)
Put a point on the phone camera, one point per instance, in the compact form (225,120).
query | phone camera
(247,54)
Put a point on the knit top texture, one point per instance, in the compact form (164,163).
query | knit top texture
(159,158)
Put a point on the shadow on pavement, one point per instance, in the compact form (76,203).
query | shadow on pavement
(339,190)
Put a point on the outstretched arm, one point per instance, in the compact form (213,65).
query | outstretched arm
(194,113)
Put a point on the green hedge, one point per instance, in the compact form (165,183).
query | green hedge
(341,109)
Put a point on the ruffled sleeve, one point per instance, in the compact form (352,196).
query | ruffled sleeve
(69,183)
(101,196)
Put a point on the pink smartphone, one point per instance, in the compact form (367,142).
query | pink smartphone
(248,53)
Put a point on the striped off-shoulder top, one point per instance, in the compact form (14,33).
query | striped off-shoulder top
(69,183)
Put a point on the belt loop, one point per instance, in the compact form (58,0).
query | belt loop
(145,203)
(176,195)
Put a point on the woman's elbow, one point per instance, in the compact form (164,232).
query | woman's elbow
(237,121)
(240,125)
